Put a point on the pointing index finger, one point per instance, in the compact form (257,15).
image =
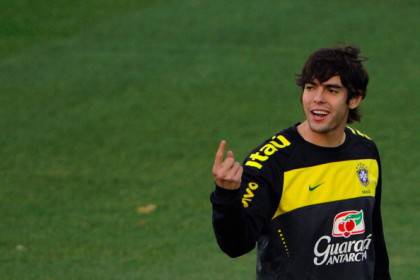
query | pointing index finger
(218,159)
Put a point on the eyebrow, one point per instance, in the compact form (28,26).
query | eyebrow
(336,86)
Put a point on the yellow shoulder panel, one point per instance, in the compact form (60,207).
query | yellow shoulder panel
(327,183)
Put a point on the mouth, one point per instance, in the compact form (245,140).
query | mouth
(319,115)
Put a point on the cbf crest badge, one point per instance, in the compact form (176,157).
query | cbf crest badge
(362,174)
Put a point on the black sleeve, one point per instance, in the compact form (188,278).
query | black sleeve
(381,255)
(240,215)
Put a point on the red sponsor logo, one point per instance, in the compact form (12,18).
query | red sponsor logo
(348,223)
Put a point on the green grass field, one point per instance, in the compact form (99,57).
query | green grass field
(107,106)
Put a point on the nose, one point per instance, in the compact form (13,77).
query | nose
(319,95)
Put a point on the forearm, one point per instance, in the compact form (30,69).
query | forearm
(381,254)
(235,231)
(381,259)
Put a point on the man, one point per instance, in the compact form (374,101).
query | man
(309,196)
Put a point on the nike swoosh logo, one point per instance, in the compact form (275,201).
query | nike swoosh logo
(311,188)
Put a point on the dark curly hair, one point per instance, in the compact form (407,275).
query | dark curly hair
(345,62)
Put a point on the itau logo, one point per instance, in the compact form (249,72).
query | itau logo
(348,223)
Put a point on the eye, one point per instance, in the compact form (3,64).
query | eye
(309,87)
(333,90)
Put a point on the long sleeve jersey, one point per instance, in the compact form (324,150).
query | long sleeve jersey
(314,212)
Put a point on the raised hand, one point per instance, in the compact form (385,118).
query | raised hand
(227,172)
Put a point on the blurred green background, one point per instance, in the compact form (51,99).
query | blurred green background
(108,106)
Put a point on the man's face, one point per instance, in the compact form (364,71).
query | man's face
(325,105)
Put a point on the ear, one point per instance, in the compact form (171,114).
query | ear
(355,101)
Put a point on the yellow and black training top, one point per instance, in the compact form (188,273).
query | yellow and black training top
(314,212)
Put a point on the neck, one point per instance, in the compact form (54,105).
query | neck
(330,139)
